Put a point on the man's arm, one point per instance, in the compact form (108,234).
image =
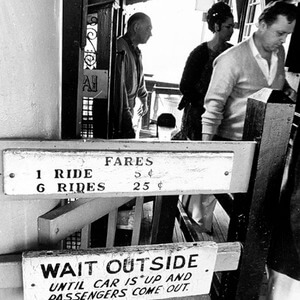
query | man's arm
(122,114)
(144,107)
(220,87)
(143,94)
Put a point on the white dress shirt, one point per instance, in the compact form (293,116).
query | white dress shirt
(268,71)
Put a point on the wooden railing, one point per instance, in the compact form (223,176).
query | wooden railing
(160,169)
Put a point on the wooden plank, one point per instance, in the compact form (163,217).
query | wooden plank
(156,271)
(190,228)
(138,215)
(165,219)
(163,153)
(11,271)
(111,228)
(72,69)
(156,218)
(85,237)
(268,120)
(65,220)
(221,223)
(228,256)
(178,236)
(11,265)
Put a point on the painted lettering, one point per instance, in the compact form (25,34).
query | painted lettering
(149,161)
(146,290)
(104,294)
(192,262)
(173,262)
(152,279)
(128,161)
(131,281)
(90,86)
(179,262)
(114,266)
(157,265)
(142,262)
(178,287)
(73,173)
(40,188)
(80,187)
(59,270)
(179,277)
(139,161)
(128,265)
(99,284)
(63,286)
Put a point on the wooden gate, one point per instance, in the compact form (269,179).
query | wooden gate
(106,174)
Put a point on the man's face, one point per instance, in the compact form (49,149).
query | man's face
(144,31)
(275,35)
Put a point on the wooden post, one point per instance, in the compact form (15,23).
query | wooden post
(165,209)
(72,69)
(268,121)
(106,45)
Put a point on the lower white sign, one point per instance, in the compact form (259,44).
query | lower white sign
(144,272)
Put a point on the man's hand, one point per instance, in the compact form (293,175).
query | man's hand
(291,93)
(143,109)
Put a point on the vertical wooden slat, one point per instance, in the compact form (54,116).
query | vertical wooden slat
(106,44)
(85,237)
(165,210)
(111,228)
(156,217)
(72,68)
(138,215)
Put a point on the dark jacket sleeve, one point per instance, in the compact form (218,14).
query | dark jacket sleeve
(192,71)
(122,115)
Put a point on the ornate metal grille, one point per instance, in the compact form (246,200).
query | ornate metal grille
(90,60)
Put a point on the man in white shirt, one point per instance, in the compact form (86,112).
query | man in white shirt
(246,68)
(242,70)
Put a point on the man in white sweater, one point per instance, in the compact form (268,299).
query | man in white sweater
(246,68)
(240,71)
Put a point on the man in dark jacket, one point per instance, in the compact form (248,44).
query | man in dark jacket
(130,83)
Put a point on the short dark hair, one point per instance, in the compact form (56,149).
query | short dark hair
(276,8)
(136,18)
(218,14)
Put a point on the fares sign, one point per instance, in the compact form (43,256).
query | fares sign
(144,272)
(38,172)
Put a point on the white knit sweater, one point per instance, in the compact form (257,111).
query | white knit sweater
(236,76)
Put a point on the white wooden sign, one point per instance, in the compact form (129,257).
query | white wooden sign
(144,272)
(95,83)
(33,172)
